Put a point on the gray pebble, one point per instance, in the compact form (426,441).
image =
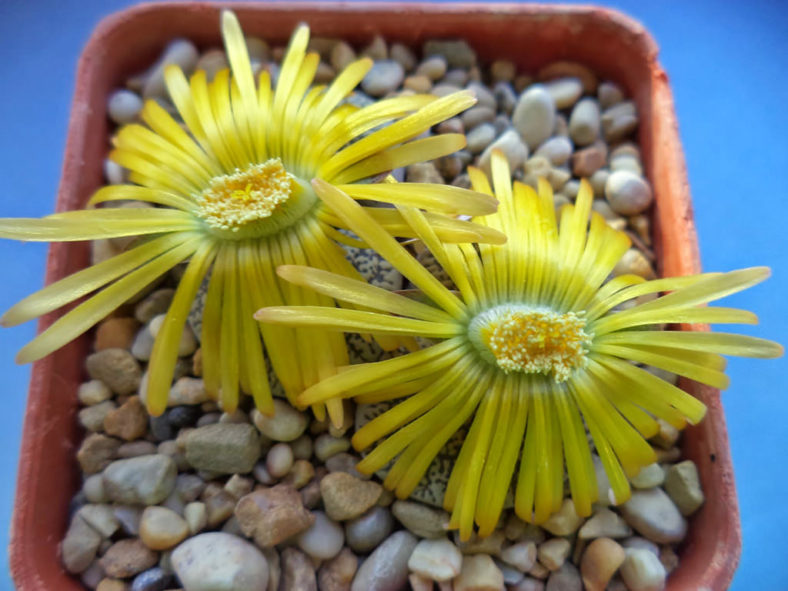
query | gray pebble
(557,150)
(627,193)
(386,569)
(212,61)
(565,91)
(534,115)
(180,52)
(505,97)
(480,137)
(403,54)
(154,579)
(619,121)
(79,546)
(458,53)
(124,106)
(433,67)
(477,115)
(566,578)
(609,94)
(584,122)
(653,515)
(512,146)
(365,532)
(626,162)
(142,347)
(384,77)
(144,480)
(114,173)
(484,97)
(425,522)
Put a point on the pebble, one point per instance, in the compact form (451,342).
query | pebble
(92,417)
(386,569)
(565,91)
(346,497)
(153,579)
(212,61)
(627,193)
(528,584)
(279,460)
(619,121)
(604,523)
(534,116)
(144,480)
(683,486)
(503,70)
(589,160)
(600,561)
(115,333)
(554,552)
(142,346)
(129,421)
(458,53)
(557,150)
(162,528)
(511,145)
(479,573)
(154,304)
(286,424)
(609,94)
(563,69)
(112,585)
(521,555)
(101,518)
(433,67)
(584,122)
(224,448)
(565,521)
(566,578)
(505,98)
(124,106)
(491,544)
(345,462)
(423,521)
(628,163)
(653,515)
(218,561)
(219,508)
(272,515)
(636,263)
(196,517)
(384,77)
(129,518)
(438,559)
(327,446)
(79,546)
(480,137)
(127,557)
(180,52)
(323,539)
(93,489)
(297,571)
(93,392)
(342,55)
(300,474)
(642,571)
(117,368)
(419,84)
(366,531)
(649,477)
(477,115)
(337,574)
(641,544)
(423,172)
(404,55)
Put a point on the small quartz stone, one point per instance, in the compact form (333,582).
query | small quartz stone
(438,559)
(92,417)
(584,123)
(272,515)
(180,52)
(653,514)
(196,517)
(683,486)
(554,552)
(162,528)
(565,91)
(93,392)
(279,460)
(512,146)
(566,578)
(627,193)
(384,77)
(521,555)
(323,539)
(479,573)
(101,518)
(286,424)
(557,150)
(129,421)
(346,497)
(604,523)
(123,106)
(649,477)
(642,571)
(600,562)
(534,116)
(79,546)
(386,569)
(327,446)
(433,67)
(218,561)
(565,521)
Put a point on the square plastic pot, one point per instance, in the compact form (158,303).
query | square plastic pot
(613,45)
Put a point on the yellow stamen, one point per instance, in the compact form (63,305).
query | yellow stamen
(233,201)
(531,340)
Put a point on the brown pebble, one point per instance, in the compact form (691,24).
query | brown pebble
(587,161)
(126,558)
(116,333)
(297,571)
(600,562)
(565,69)
(219,508)
(96,452)
(418,83)
(346,497)
(273,515)
(112,585)
(129,421)
(337,574)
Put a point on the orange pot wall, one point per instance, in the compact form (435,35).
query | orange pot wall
(615,46)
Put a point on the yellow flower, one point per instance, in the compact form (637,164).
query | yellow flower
(534,347)
(233,197)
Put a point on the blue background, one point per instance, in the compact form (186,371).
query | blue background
(728,66)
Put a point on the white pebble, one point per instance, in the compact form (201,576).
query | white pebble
(323,539)
(439,560)
(534,115)
(627,193)
(123,106)
(186,346)
(279,460)
(642,571)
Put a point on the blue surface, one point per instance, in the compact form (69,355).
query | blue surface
(728,65)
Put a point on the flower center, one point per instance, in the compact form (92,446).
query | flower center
(257,201)
(531,340)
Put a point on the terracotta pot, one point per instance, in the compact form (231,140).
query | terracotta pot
(613,45)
